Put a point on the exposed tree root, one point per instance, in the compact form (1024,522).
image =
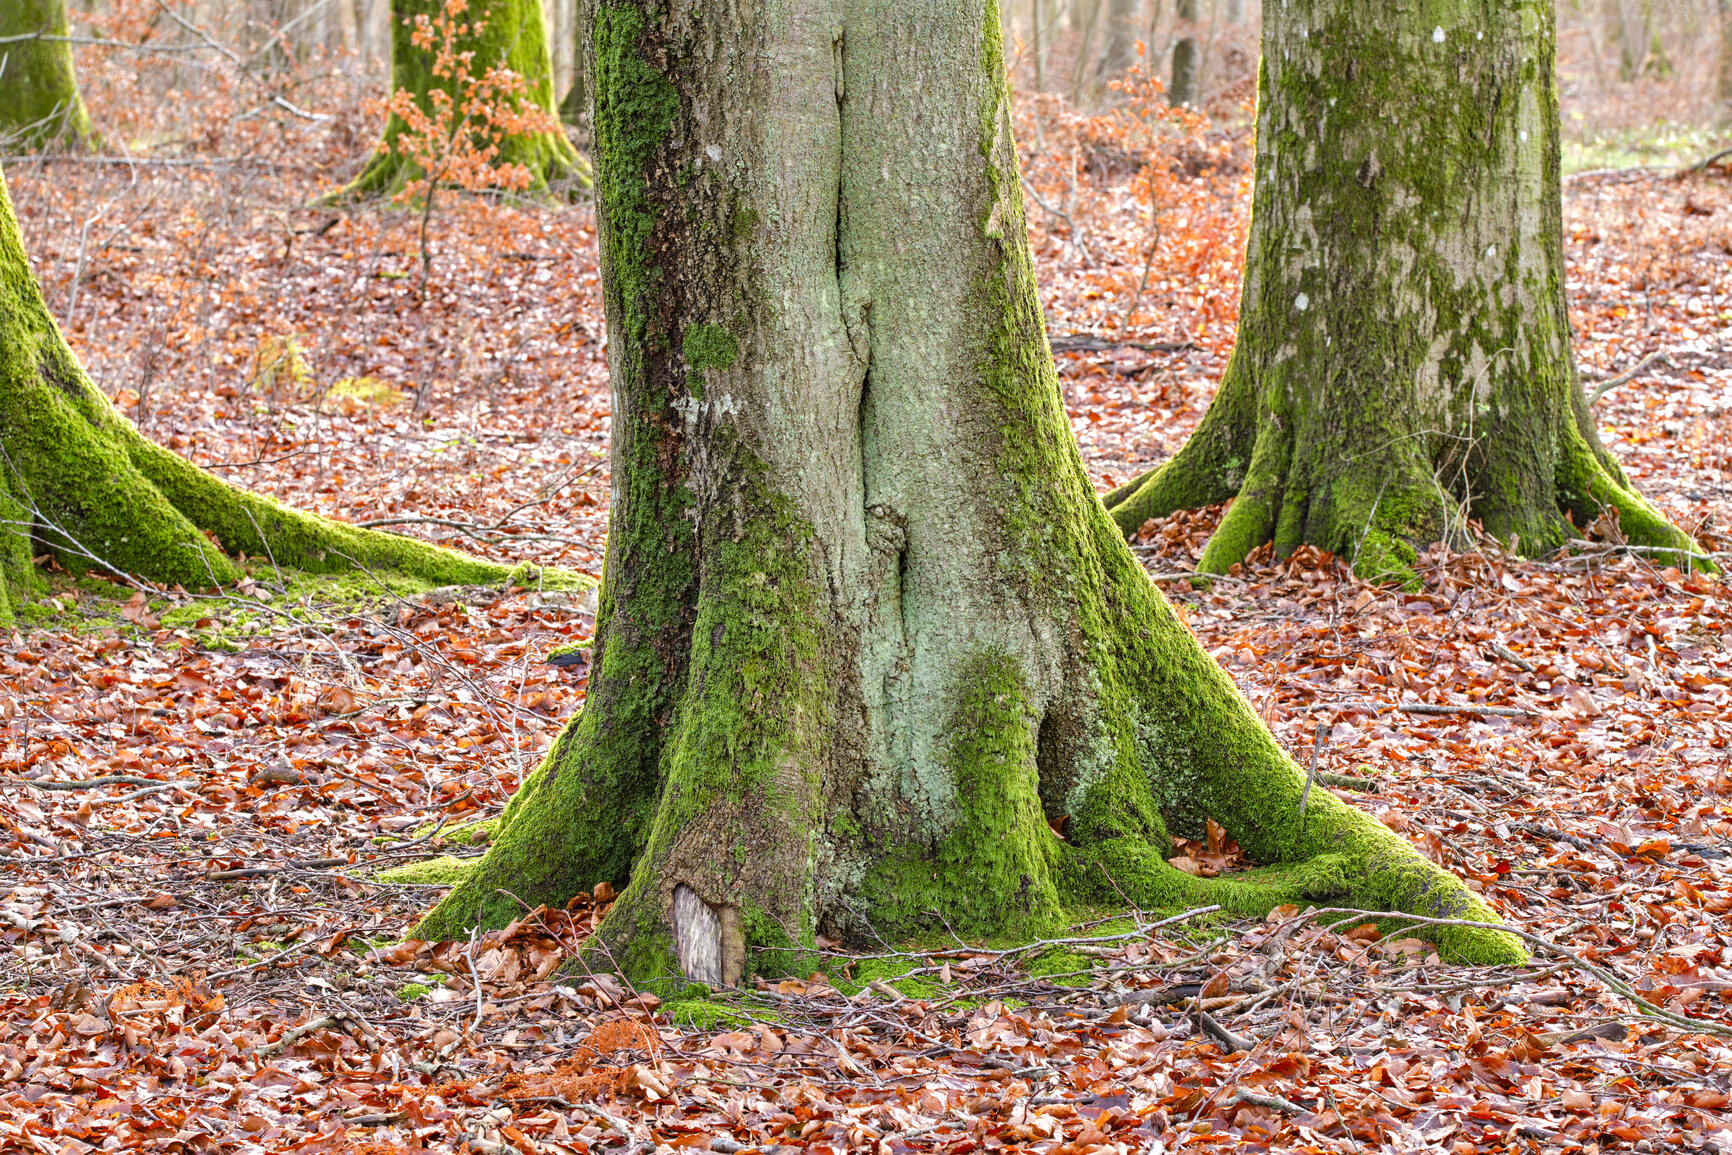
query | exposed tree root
(552,160)
(79,481)
(1379,507)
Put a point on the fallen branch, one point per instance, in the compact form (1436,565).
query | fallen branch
(262,871)
(89,783)
(1228,1040)
(1612,383)
(1433,708)
(1495,650)
(1702,166)
(1550,835)
(1612,981)
(1089,343)
(295,1034)
(1272,1102)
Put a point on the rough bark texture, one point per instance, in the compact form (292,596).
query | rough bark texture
(78,480)
(512,34)
(1403,360)
(866,631)
(39,100)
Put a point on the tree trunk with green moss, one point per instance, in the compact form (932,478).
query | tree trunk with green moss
(39,101)
(511,34)
(1403,360)
(866,635)
(77,480)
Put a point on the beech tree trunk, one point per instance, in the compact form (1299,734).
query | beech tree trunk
(1119,51)
(1187,64)
(574,105)
(1403,360)
(39,101)
(79,481)
(866,635)
(512,33)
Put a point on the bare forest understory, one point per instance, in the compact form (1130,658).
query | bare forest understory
(197,958)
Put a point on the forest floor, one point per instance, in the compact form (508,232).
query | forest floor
(200,790)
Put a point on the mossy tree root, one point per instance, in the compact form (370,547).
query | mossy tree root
(77,479)
(1208,469)
(1377,497)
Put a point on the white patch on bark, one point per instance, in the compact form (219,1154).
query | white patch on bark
(690,408)
(697,937)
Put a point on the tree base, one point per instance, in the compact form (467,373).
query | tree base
(555,167)
(1380,512)
(1001,872)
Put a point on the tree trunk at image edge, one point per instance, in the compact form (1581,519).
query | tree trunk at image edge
(79,481)
(1403,359)
(39,101)
(865,631)
(513,34)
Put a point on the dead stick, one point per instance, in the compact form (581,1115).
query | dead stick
(1228,1040)
(1272,1102)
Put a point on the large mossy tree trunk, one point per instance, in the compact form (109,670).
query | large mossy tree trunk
(77,480)
(503,33)
(866,634)
(1403,360)
(39,101)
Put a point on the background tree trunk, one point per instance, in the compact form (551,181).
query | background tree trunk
(79,481)
(1723,76)
(513,34)
(866,634)
(574,106)
(1119,51)
(39,101)
(1037,38)
(1403,358)
(1182,88)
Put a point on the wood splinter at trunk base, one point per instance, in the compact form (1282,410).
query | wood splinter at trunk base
(707,939)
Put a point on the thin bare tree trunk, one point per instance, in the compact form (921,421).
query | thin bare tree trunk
(1182,88)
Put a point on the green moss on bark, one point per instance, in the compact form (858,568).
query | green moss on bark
(996,869)
(1155,732)
(1403,359)
(40,106)
(735,737)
